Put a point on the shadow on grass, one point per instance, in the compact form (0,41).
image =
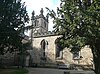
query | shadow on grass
(13,71)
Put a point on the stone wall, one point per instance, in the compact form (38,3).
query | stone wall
(50,51)
(86,57)
(84,62)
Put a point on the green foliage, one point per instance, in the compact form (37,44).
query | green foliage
(13,19)
(79,23)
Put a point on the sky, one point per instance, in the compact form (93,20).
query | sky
(36,5)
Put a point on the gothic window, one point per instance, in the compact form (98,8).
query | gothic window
(44,46)
(41,22)
(37,23)
(59,52)
(44,24)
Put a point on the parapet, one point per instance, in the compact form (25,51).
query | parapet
(49,33)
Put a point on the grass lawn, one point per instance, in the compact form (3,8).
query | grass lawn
(13,71)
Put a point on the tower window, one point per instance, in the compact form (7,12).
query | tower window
(45,24)
(37,23)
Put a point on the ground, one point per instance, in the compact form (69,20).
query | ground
(14,71)
(56,71)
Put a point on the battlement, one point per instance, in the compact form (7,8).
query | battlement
(49,33)
(40,23)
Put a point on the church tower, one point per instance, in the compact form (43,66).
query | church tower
(39,23)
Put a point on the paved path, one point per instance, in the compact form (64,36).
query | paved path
(44,71)
(55,71)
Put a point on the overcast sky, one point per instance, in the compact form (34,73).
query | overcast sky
(36,5)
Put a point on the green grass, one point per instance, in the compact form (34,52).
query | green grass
(13,71)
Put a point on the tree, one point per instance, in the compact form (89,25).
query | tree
(79,23)
(13,20)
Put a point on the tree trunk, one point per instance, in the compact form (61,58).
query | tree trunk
(97,64)
(96,59)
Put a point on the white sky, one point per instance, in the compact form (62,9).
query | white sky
(36,5)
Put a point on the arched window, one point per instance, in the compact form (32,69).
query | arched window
(59,52)
(44,47)
(44,24)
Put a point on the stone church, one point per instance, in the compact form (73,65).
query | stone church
(45,49)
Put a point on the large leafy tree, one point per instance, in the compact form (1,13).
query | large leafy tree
(13,19)
(79,23)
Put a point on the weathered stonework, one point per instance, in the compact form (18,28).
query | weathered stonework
(86,57)
(44,47)
(50,50)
